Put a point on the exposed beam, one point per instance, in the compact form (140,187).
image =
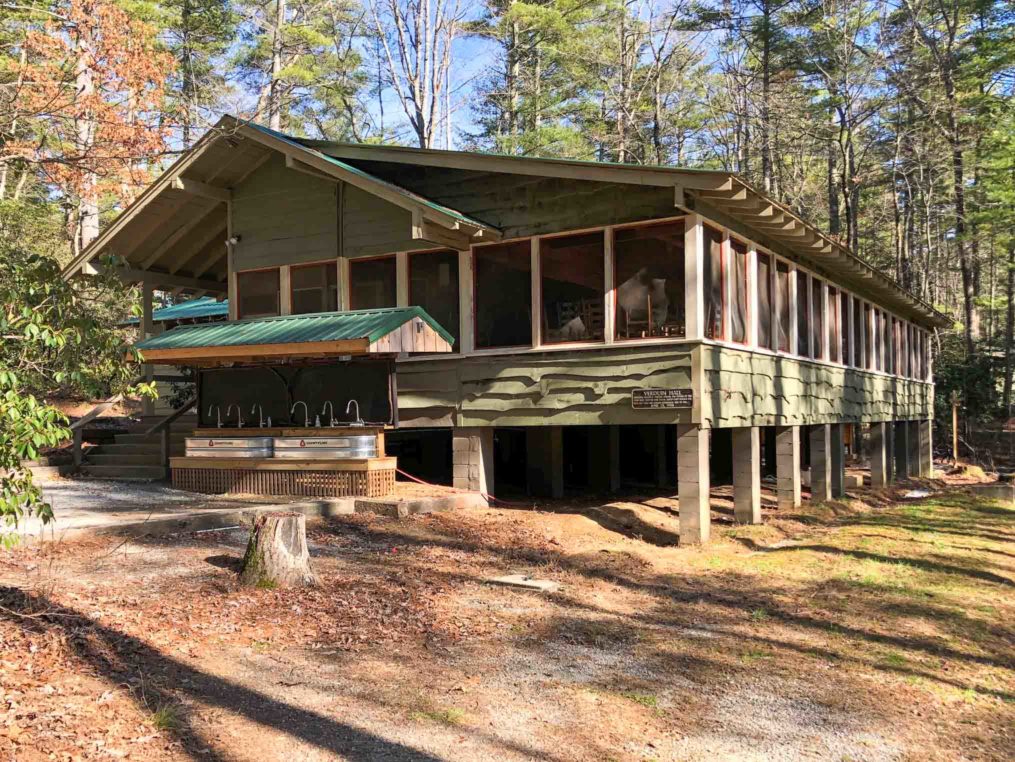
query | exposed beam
(258,351)
(210,263)
(178,235)
(738,194)
(131,275)
(219,231)
(196,188)
(291,162)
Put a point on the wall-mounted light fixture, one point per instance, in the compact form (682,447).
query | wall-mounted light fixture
(233,240)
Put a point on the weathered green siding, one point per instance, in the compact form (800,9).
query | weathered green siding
(371,225)
(547,388)
(744,388)
(521,205)
(284,217)
(733,388)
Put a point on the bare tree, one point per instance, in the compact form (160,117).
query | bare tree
(417,37)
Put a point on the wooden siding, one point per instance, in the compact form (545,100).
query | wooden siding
(745,388)
(521,205)
(371,225)
(284,217)
(542,388)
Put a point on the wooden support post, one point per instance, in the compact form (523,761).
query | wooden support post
(838,457)
(787,458)
(747,475)
(662,477)
(821,462)
(900,449)
(78,454)
(889,452)
(693,484)
(165,440)
(913,447)
(147,330)
(544,447)
(955,426)
(614,458)
(926,449)
(472,459)
(878,455)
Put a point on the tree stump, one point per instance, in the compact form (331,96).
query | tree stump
(277,553)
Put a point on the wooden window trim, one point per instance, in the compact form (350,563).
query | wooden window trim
(373,258)
(304,265)
(538,289)
(278,290)
(474,250)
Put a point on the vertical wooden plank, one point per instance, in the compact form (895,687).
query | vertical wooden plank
(826,326)
(466,312)
(402,279)
(285,295)
(610,307)
(230,264)
(694,254)
(147,330)
(727,286)
(343,283)
(537,294)
(793,343)
(752,295)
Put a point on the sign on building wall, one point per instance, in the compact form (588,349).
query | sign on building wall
(661,399)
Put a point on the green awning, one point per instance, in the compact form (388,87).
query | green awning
(322,334)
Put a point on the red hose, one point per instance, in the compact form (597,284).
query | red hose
(489,498)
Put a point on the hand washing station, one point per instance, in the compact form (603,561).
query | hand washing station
(321,462)
(321,362)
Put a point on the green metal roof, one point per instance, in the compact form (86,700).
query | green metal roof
(293,329)
(205,306)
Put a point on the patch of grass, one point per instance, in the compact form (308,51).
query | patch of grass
(894,659)
(262,646)
(166,717)
(647,700)
(760,615)
(266,584)
(753,655)
(449,716)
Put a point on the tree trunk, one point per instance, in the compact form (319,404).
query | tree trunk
(1009,328)
(275,85)
(277,554)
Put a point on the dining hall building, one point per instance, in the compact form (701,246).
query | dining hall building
(524,325)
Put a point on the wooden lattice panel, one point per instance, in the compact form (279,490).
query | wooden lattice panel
(308,483)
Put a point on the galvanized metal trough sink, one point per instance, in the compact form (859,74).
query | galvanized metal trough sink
(234,447)
(325,448)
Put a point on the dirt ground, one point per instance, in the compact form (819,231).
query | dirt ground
(874,628)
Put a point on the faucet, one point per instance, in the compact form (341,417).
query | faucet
(306,413)
(239,415)
(218,413)
(359,421)
(329,406)
(260,414)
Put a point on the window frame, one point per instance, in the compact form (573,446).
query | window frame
(455,330)
(730,255)
(473,251)
(606,234)
(278,291)
(304,265)
(611,334)
(358,260)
